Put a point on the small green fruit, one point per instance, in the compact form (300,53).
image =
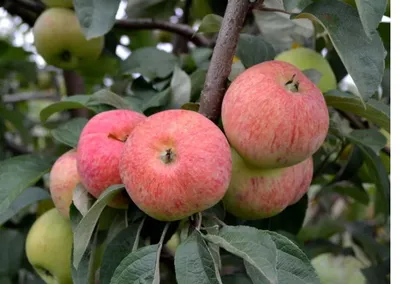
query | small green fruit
(61,42)
(48,248)
(306,58)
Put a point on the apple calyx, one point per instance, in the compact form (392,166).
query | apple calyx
(167,156)
(292,85)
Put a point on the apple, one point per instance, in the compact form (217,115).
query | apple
(58,3)
(175,164)
(306,58)
(99,149)
(274,116)
(48,247)
(256,193)
(64,178)
(60,41)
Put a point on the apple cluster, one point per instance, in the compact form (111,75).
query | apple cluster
(173,163)
(275,119)
(176,163)
(58,37)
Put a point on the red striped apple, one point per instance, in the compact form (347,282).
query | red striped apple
(256,193)
(99,150)
(175,164)
(274,116)
(64,178)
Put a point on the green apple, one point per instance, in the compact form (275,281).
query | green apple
(173,243)
(48,247)
(306,58)
(58,3)
(339,269)
(60,41)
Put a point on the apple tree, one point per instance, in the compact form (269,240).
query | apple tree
(140,144)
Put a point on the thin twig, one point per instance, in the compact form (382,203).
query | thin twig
(150,24)
(221,61)
(180,43)
(27,96)
(266,9)
(355,120)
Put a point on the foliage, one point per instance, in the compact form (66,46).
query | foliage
(345,217)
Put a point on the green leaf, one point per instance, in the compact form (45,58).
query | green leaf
(374,110)
(252,50)
(109,98)
(370,138)
(348,189)
(282,32)
(73,102)
(255,247)
(291,5)
(180,88)
(197,79)
(18,173)
(30,196)
(377,172)
(378,273)
(11,251)
(157,9)
(362,57)
(371,13)
(193,261)
(323,229)
(292,264)
(365,236)
(138,267)
(96,18)
(291,219)
(17,120)
(84,230)
(236,279)
(210,24)
(119,248)
(69,132)
(149,62)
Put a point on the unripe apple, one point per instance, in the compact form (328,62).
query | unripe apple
(274,116)
(58,3)
(99,150)
(306,58)
(60,41)
(256,193)
(175,164)
(48,247)
(64,178)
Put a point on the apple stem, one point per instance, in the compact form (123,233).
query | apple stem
(168,156)
(292,85)
(112,136)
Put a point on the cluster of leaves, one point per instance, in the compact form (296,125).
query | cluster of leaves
(345,214)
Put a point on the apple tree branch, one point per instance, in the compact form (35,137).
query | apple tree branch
(221,60)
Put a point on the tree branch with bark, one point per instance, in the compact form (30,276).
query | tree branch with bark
(221,60)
